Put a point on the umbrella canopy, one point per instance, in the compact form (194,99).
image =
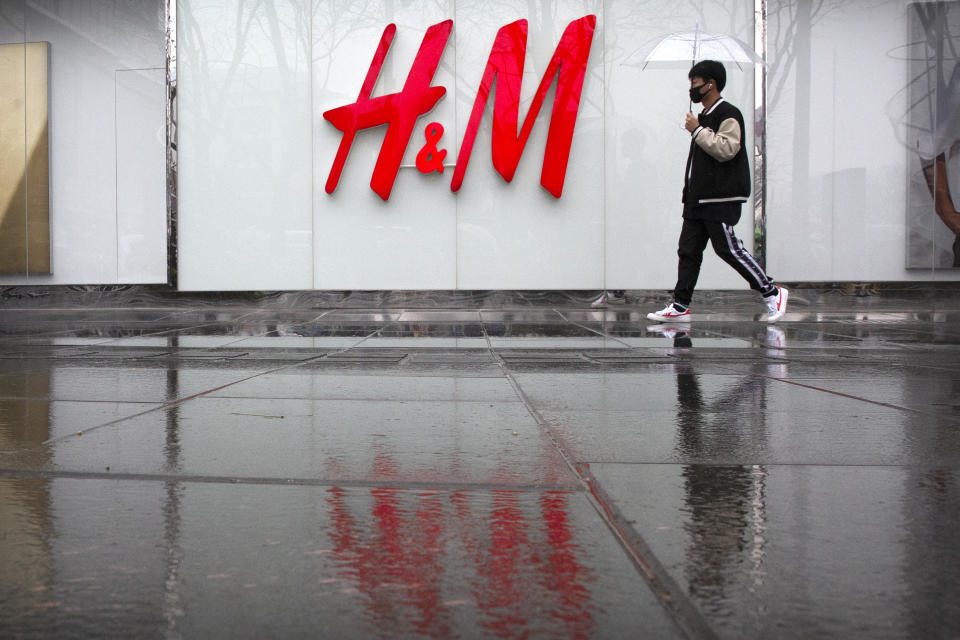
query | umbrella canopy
(702,45)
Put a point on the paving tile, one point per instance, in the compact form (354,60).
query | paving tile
(802,551)
(131,558)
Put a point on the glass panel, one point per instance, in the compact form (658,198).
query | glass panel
(932,127)
(244,145)
(141,176)
(73,197)
(362,241)
(646,146)
(518,235)
(854,116)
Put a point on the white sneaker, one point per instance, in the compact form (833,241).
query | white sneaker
(777,304)
(668,331)
(670,313)
(776,338)
(607,298)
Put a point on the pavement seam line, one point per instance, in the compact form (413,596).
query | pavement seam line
(603,334)
(179,401)
(853,397)
(841,394)
(278,481)
(667,592)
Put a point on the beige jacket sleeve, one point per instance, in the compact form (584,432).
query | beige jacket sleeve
(722,145)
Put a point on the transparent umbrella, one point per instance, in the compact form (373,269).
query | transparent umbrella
(702,45)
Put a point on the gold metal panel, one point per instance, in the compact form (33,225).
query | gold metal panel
(24,159)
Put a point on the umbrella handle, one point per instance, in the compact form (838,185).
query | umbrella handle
(696,42)
(696,37)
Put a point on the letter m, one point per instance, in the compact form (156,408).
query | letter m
(505,64)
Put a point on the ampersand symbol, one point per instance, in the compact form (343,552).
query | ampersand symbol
(430,158)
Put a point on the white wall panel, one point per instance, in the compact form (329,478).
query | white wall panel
(517,235)
(244,145)
(141,176)
(90,42)
(361,241)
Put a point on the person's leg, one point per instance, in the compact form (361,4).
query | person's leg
(939,185)
(731,250)
(693,240)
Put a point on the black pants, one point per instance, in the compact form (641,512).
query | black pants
(693,240)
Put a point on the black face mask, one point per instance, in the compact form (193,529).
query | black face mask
(695,95)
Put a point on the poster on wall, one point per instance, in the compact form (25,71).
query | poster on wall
(933,140)
(24,159)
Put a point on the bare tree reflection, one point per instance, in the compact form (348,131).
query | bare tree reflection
(790,24)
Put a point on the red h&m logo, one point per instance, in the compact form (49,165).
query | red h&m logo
(400,110)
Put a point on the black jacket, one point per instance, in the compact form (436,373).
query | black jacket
(709,180)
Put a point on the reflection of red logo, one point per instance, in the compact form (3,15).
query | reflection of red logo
(400,110)
(510,548)
(415,556)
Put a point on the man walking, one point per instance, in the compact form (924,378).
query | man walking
(716,184)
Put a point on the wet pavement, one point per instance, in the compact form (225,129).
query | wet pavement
(536,470)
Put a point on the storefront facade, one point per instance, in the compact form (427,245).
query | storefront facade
(187,143)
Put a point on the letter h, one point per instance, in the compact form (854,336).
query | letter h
(397,110)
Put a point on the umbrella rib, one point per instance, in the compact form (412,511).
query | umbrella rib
(732,54)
